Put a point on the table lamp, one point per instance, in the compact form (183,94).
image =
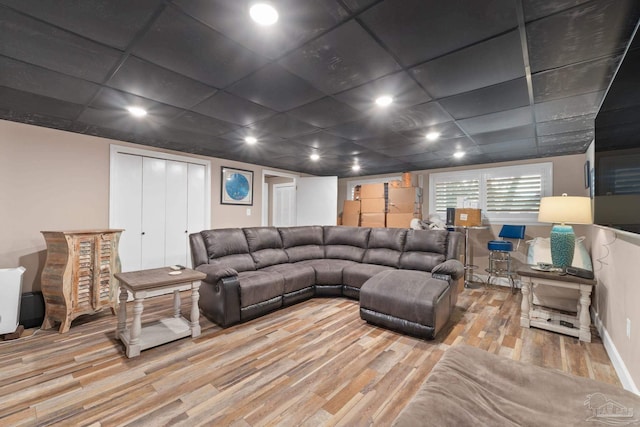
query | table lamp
(559,211)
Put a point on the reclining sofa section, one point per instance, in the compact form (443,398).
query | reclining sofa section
(252,271)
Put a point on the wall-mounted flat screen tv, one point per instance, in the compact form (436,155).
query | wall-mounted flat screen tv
(617,147)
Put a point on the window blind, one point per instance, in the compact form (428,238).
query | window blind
(447,193)
(514,194)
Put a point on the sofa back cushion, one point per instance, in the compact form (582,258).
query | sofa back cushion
(302,243)
(228,247)
(385,246)
(424,249)
(265,246)
(347,243)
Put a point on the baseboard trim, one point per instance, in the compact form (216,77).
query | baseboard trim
(612,351)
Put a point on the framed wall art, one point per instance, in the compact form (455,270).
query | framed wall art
(236,187)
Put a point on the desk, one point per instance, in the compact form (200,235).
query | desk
(468,256)
(577,326)
(141,284)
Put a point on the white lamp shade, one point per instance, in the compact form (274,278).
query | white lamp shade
(565,210)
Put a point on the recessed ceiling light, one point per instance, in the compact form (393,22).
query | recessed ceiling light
(263,14)
(251,140)
(384,100)
(432,136)
(355,167)
(315,157)
(137,111)
(458,154)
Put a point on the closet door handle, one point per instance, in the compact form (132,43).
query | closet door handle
(142,233)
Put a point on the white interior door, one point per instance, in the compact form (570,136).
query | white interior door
(284,205)
(153,212)
(176,213)
(317,200)
(197,207)
(126,208)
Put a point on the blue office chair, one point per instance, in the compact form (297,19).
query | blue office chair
(500,253)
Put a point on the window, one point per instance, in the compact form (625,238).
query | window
(508,194)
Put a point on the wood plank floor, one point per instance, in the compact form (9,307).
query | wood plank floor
(313,364)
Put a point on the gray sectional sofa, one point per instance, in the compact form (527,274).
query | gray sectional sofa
(252,271)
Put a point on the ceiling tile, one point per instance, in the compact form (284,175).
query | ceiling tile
(580,137)
(341,59)
(418,117)
(492,99)
(184,45)
(528,144)
(505,156)
(324,113)
(35,42)
(432,164)
(113,22)
(195,122)
(568,107)
(387,141)
(406,151)
(494,61)
(402,88)
(588,31)
(510,134)
(418,30)
(232,109)
(572,124)
(357,5)
(275,88)
(121,121)
(119,101)
(346,149)
(17,101)
(283,126)
(151,81)
(361,129)
(572,80)
(321,140)
(30,78)
(497,121)
(298,22)
(447,130)
(535,9)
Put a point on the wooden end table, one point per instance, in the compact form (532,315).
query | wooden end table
(141,284)
(554,320)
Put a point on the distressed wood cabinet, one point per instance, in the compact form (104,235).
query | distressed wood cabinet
(78,275)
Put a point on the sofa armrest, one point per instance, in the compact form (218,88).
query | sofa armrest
(220,301)
(216,272)
(452,268)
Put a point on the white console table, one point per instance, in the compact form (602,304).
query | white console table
(142,284)
(578,325)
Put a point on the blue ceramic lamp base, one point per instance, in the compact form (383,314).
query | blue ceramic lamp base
(563,243)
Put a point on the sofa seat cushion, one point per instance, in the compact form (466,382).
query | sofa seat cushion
(409,301)
(296,277)
(259,286)
(328,271)
(356,275)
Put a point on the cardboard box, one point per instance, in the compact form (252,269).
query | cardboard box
(396,183)
(468,217)
(356,192)
(405,195)
(378,205)
(403,207)
(352,220)
(400,220)
(351,207)
(373,191)
(372,220)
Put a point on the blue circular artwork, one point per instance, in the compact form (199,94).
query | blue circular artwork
(237,186)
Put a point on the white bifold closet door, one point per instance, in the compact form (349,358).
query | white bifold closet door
(158,203)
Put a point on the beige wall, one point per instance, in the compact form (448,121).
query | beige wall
(56,180)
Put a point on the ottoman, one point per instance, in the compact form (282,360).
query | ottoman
(411,302)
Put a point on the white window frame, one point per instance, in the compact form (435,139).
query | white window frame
(545,170)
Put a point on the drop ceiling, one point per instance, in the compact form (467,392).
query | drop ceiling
(500,80)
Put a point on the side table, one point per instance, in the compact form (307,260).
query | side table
(140,284)
(577,326)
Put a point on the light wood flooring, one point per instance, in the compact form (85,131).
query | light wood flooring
(313,364)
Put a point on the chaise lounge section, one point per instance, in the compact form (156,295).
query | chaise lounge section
(252,271)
